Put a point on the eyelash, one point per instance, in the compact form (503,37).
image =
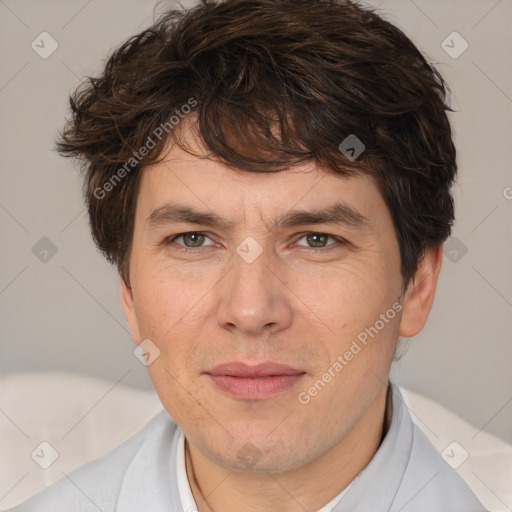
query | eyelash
(188,250)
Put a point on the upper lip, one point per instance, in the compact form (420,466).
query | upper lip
(239,369)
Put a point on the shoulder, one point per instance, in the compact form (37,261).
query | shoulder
(429,479)
(95,485)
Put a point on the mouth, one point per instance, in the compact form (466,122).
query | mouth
(254,382)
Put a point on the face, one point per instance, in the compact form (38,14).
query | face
(282,301)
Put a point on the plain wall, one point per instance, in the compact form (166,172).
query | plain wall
(65,314)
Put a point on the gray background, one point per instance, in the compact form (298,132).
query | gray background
(65,314)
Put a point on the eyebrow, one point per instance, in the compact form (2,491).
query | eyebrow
(338,213)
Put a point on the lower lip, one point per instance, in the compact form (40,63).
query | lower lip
(255,388)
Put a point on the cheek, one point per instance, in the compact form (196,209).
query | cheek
(345,297)
(168,315)
(167,298)
(343,307)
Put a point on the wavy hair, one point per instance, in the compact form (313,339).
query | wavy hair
(276,83)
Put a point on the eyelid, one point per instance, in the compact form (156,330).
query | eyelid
(328,235)
(300,236)
(173,238)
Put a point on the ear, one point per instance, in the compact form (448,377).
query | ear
(420,292)
(129,310)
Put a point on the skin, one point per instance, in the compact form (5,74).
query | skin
(300,303)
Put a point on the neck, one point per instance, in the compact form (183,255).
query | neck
(308,488)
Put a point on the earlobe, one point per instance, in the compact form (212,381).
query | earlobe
(420,293)
(127,303)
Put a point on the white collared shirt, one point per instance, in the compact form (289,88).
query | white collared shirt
(147,473)
(188,503)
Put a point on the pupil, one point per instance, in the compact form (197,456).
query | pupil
(194,235)
(322,237)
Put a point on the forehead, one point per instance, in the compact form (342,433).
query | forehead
(209,185)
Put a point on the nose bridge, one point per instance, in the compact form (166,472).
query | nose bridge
(251,269)
(253,298)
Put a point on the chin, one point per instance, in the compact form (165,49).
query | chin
(257,453)
(261,463)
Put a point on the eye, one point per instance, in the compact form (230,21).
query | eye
(191,240)
(318,240)
(194,241)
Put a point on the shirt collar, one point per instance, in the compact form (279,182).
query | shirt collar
(156,478)
(150,482)
(188,503)
(376,486)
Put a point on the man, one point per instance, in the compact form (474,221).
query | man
(272,180)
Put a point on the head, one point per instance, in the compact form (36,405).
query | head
(225,122)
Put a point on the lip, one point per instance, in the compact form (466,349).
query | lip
(266,369)
(254,382)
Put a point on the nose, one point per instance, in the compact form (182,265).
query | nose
(254,299)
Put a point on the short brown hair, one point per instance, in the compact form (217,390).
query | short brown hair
(275,83)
